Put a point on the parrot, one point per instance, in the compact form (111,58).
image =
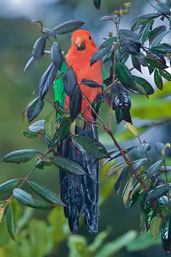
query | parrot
(80,193)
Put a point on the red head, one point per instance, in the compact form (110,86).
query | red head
(82,40)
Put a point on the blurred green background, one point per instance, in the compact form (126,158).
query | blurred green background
(18,35)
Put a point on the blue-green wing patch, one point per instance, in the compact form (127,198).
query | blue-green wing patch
(58,88)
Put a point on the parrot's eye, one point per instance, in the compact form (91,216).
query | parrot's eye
(89,37)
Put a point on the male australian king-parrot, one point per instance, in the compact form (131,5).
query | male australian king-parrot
(80,193)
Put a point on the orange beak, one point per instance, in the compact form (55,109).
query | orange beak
(80,43)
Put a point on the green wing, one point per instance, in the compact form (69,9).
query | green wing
(58,88)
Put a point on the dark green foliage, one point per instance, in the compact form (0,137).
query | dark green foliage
(90,83)
(47,80)
(75,103)
(20,156)
(121,103)
(166,233)
(45,193)
(100,54)
(11,221)
(97,3)
(144,85)
(124,75)
(34,108)
(9,185)
(26,199)
(68,165)
(157,192)
(38,51)
(153,169)
(129,41)
(56,55)
(136,62)
(90,147)
(68,26)
(70,82)
(158,79)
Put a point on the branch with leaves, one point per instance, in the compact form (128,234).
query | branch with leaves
(143,180)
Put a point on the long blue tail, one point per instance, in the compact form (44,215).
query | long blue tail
(80,193)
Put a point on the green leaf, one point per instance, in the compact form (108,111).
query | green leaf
(157,192)
(155,32)
(127,191)
(11,221)
(29,134)
(51,124)
(142,242)
(70,82)
(122,176)
(162,8)
(144,147)
(139,163)
(158,79)
(9,185)
(56,55)
(147,31)
(116,153)
(34,108)
(159,38)
(156,60)
(124,75)
(121,103)
(48,32)
(100,54)
(41,164)
(98,241)
(108,42)
(162,202)
(64,129)
(155,226)
(48,141)
(97,3)
(68,165)
(77,245)
(129,41)
(45,193)
(39,242)
(59,226)
(143,20)
(75,103)
(20,156)
(136,62)
(26,199)
(165,75)
(110,248)
(90,146)
(148,217)
(153,169)
(37,127)
(90,83)
(47,79)
(166,234)
(29,62)
(116,169)
(145,84)
(67,26)
(163,48)
(38,51)
(38,48)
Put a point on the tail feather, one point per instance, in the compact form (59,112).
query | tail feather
(80,193)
